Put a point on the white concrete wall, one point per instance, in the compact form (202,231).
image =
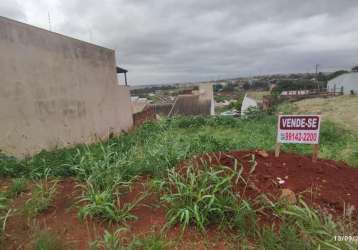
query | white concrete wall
(56,91)
(247,103)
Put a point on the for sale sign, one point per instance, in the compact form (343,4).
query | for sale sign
(302,129)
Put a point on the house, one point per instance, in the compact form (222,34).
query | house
(347,82)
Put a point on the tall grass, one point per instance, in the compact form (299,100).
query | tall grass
(302,227)
(18,185)
(105,204)
(42,196)
(5,212)
(157,146)
(204,195)
(200,196)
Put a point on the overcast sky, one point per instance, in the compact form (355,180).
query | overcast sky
(166,41)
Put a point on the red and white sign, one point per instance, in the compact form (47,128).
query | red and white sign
(302,129)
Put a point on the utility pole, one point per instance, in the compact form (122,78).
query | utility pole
(317,76)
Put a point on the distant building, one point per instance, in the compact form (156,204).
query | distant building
(348,81)
(200,102)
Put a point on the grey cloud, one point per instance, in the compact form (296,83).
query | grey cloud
(12,9)
(171,41)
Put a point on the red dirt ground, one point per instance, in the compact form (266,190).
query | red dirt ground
(62,220)
(326,183)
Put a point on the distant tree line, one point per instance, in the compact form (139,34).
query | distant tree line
(147,90)
(335,74)
(288,85)
(307,84)
(257,85)
(229,87)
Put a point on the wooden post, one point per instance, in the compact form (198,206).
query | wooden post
(278,144)
(315,151)
(277,149)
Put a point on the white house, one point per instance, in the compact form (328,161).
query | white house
(348,81)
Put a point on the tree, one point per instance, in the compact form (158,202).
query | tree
(217,87)
(229,87)
(246,86)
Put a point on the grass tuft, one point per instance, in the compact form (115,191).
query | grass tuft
(42,196)
(18,185)
(46,240)
(203,195)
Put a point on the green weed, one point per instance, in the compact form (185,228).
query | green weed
(116,241)
(157,146)
(302,227)
(199,196)
(10,166)
(5,212)
(104,204)
(203,195)
(98,204)
(150,242)
(46,240)
(42,196)
(18,185)
(316,229)
(110,241)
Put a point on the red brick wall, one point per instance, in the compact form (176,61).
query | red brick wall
(148,114)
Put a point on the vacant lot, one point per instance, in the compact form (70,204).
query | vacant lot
(257,95)
(159,187)
(342,110)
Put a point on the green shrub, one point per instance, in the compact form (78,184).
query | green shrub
(10,166)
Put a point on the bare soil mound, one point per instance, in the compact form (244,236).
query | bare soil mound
(328,184)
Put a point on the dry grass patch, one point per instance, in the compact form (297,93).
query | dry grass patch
(342,110)
(257,95)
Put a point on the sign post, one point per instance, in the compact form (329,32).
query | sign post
(301,129)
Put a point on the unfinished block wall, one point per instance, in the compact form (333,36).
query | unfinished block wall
(56,91)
